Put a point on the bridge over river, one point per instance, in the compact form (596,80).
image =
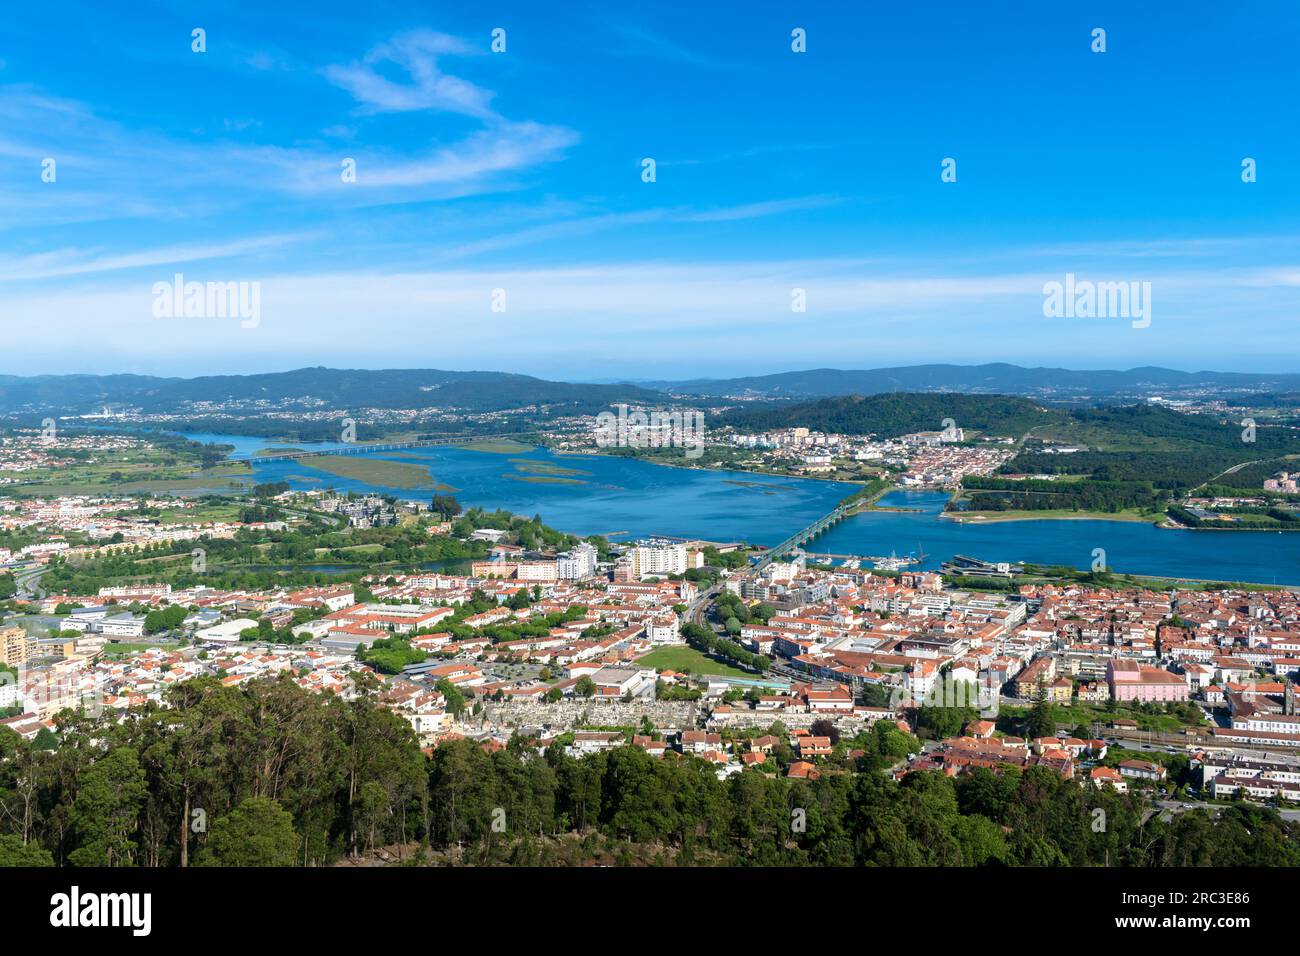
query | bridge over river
(802,536)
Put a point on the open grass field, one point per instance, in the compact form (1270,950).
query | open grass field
(110,467)
(1102,438)
(684,658)
(203,512)
(350,548)
(124,648)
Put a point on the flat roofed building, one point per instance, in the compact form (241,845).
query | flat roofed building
(1131,680)
(225,633)
(13,647)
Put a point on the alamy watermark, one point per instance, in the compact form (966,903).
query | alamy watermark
(656,429)
(1083,299)
(946,691)
(208,300)
(42,690)
(73,909)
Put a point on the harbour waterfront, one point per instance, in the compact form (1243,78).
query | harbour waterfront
(593,494)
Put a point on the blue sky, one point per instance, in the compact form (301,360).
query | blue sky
(521,171)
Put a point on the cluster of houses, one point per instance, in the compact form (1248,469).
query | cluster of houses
(33,452)
(834,638)
(728,755)
(84,526)
(105,684)
(936,459)
(362,511)
(914,637)
(979,746)
(620,623)
(1288,482)
(1224,772)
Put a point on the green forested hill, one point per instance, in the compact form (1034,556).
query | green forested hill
(1131,455)
(899,413)
(336,388)
(1149,443)
(288,778)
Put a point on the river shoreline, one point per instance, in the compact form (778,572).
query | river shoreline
(1030,516)
(682,499)
(1165,524)
(1072,540)
(704,468)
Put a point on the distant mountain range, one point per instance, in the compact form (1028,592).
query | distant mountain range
(996,378)
(308,388)
(477,391)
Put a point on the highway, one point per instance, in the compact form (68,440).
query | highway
(695,610)
(27,579)
(337,521)
(1183,806)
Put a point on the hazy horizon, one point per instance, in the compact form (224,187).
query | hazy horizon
(639,379)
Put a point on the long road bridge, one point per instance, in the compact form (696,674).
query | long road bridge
(367,449)
(801,537)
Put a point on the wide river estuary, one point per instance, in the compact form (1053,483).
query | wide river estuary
(588,494)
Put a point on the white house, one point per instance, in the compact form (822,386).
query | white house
(664,630)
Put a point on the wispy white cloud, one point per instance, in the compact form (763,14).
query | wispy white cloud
(642,41)
(61,263)
(757,210)
(577,226)
(629,316)
(504,148)
(428,88)
(1162,248)
(191,173)
(679,293)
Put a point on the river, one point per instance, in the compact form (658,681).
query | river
(1132,547)
(596,494)
(628,498)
